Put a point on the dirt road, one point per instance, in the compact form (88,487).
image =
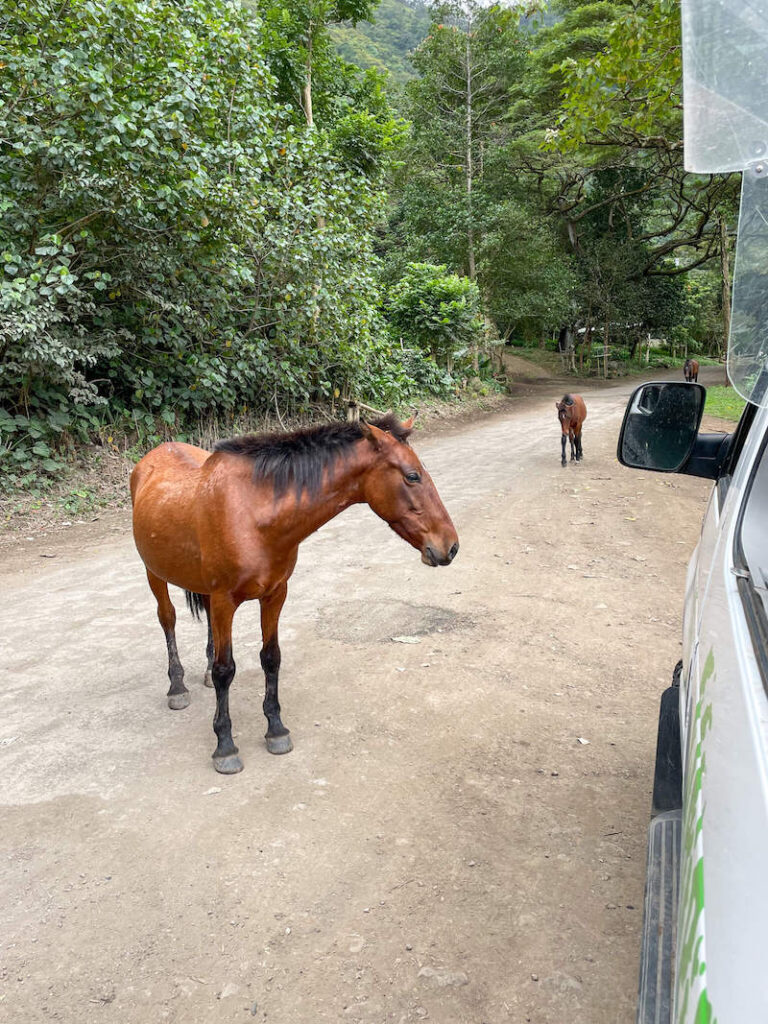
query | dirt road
(441,845)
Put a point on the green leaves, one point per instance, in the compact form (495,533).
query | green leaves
(435,311)
(176,245)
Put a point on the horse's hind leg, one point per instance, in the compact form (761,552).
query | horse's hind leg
(208,678)
(579,450)
(225,759)
(178,694)
(572,439)
(277,736)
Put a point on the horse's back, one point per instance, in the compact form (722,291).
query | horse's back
(581,407)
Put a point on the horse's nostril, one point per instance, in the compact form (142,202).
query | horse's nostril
(453,552)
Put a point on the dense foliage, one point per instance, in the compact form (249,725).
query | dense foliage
(546,163)
(208,215)
(177,242)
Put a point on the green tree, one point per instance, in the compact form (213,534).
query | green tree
(436,311)
(467,63)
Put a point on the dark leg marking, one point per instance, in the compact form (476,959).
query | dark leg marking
(277,736)
(178,694)
(225,759)
(563,460)
(208,678)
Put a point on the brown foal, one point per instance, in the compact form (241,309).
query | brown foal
(571,412)
(226,526)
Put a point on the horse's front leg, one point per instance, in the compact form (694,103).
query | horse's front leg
(572,439)
(563,460)
(225,759)
(579,449)
(178,694)
(277,736)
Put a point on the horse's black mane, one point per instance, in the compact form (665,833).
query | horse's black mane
(299,459)
(567,399)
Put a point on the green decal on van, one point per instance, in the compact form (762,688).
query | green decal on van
(691,962)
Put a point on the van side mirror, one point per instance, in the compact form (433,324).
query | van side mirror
(661,426)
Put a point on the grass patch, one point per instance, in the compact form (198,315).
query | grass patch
(725,403)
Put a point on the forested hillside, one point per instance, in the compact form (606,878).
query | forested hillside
(397,27)
(208,216)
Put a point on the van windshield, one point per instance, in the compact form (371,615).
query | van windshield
(725,54)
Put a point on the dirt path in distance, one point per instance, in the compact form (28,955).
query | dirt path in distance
(440,845)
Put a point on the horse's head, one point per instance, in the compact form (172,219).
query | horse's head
(401,492)
(565,410)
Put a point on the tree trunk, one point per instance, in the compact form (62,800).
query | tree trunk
(472,273)
(306,103)
(306,89)
(469,169)
(726,275)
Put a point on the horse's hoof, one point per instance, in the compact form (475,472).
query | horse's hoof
(279,744)
(563,463)
(229,765)
(208,679)
(179,701)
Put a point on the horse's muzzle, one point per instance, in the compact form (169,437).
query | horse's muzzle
(431,556)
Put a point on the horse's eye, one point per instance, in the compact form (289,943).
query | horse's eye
(413,478)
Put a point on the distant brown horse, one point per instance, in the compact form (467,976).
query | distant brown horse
(571,412)
(691,370)
(226,527)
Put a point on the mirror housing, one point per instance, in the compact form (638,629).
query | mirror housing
(661,427)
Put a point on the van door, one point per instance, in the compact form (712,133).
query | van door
(723,916)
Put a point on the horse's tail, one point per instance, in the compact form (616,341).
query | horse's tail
(195,603)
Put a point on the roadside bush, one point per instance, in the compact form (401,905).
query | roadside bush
(435,311)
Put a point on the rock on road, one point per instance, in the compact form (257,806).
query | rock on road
(439,845)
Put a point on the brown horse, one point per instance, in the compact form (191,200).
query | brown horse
(571,412)
(226,527)
(691,370)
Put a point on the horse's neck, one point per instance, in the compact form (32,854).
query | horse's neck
(342,487)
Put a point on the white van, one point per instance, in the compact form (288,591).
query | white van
(706,905)
(706,908)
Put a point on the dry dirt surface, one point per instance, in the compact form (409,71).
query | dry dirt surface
(458,836)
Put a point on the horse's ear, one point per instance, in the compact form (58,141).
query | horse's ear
(373,434)
(407,425)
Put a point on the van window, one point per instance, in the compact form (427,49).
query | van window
(752,559)
(754,526)
(738,440)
